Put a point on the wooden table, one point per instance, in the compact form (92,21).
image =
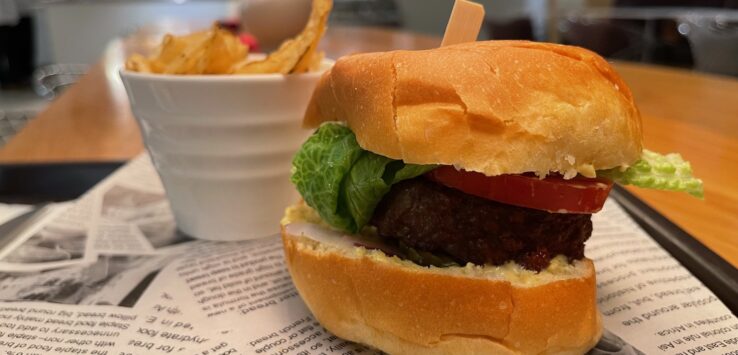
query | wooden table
(686,112)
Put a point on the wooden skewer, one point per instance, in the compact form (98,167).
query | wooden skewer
(464,23)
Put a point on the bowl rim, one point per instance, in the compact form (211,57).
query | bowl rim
(325,64)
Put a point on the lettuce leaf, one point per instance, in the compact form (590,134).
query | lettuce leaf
(343,182)
(319,169)
(660,172)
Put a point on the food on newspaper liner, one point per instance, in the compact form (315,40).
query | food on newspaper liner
(218,51)
(448,196)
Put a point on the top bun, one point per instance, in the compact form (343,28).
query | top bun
(495,107)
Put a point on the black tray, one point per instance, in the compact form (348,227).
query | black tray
(716,273)
(39,183)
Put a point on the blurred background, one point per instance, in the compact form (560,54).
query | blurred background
(46,45)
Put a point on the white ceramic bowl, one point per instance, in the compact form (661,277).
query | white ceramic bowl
(223,146)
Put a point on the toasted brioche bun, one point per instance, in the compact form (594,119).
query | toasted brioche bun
(402,308)
(495,107)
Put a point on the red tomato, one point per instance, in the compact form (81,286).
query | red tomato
(552,194)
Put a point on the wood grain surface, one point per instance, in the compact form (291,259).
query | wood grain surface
(690,113)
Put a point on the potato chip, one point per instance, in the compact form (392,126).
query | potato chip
(225,50)
(187,57)
(311,59)
(297,54)
(174,52)
(138,63)
(217,51)
(214,51)
(220,53)
(313,62)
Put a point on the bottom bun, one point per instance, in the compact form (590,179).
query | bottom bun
(402,308)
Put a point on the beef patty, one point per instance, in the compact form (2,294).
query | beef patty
(431,217)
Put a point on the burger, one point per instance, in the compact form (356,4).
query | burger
(447,196)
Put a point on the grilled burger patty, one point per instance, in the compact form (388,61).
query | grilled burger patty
(431,217)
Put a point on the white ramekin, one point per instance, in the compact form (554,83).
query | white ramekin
(223,146)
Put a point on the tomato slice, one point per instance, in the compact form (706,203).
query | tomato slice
(552,194)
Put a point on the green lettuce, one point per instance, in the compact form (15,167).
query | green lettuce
(343,182)
(660,172)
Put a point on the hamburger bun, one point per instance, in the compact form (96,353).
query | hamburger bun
(495,107)
(365,296)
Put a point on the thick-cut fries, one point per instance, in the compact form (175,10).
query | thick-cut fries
(217,51)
